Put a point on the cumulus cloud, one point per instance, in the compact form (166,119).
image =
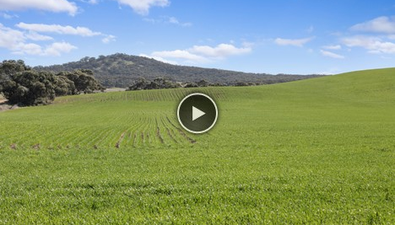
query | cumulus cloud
(180,54)
(381,24)
(9,38)
(331,54)
(174,20)
(332,47)
(220,51)
(57,48)
(372,44)
(19,42)
(293,42)
(54,28)
(201,53)
(34,29)
(27,48)
(47,5)
(384,29)
(108,38)
(142,6)
(37,37)
(159,59)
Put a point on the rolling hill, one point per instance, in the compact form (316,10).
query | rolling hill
(121,70)
(311,151)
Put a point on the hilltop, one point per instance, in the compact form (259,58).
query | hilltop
(121,70)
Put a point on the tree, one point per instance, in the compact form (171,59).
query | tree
(9,68)
(22,85)
(140,84)
(83,80)
(203,83)
(64,86)
(30,88)
(157,83)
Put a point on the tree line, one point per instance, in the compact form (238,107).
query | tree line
(166,83)
(22,85)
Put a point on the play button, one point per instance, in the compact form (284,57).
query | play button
(197,113)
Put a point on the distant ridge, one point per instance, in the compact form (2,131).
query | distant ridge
(121,70)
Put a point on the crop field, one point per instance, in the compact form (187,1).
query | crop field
(318,151)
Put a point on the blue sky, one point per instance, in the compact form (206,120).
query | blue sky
(282,36)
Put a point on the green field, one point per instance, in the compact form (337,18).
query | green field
(313,151)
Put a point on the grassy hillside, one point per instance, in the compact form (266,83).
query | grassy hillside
(311,151)
(121,70)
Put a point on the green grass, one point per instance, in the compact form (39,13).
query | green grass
(312,151)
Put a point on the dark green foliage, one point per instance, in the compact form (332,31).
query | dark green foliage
(162,83)
(21,85)
(190,85)
(10,67)
(64,86)
(157,83)
(203,83)
(30,88)
(83,80)
(121,70)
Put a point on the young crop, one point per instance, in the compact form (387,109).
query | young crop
(306,152)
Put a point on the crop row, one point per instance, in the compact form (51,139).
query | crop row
(143,131)
(151,95)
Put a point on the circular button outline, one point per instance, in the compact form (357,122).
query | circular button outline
(216,113)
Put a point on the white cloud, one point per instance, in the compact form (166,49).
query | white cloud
(201,54)
(385,28)
(8,16)
(174,20)
(220,51)
(381,24)
(47,5)
(10,38)
(332,47)
(37,37)
(142,6)
(107,39)
(180,54)
(29,48)
(16,42)
(54,28)
(331,54)
(372,44)
(57,48)
(159,59)
(293,42)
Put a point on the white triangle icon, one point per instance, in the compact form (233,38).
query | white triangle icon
(197,113)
